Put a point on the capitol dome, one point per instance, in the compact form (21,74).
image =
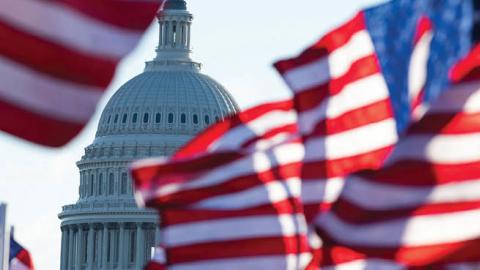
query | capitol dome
(153,114)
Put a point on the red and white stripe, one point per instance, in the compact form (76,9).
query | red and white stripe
(423,207)
(229,210)
(22,261)
(56,59)
(344,110)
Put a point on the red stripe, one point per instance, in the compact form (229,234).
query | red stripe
(35,127)
(203,141)
(423,173)
(55,60)
(359,117)
(330,42)
(355,214)
(149,176)
(286,130)
(25,258)
(447,124)
(174,216)
(424,257)
(244,248)
(467,69)
(154,266)
(360,69)
(323,169)
(134,15)
(237,184)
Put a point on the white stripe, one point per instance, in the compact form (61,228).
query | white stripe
(253,262)
(230,229)
(417,72)
(256,162)
(335,65)
(366,264)
(234,138)
(463,266)
(391,197)
(57,23)
(355,95)
(442,149)
(409,232)
(16,264)
(353,142)
(45,95)
(321,190)
(269,193)
(464,97)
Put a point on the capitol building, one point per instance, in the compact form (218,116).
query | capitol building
(153,114)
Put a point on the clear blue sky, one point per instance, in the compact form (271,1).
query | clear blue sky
(237,41)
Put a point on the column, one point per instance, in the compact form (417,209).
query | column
(189,25)
(71,236)
(121,248)
(157,235)
(63,258)
(105,246)
(78,261)
(90,243)
(140,248)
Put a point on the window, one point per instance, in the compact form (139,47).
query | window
(207,119)
(170,118)
(217,119)
(134,118)
(124,120)
(145,118)
(111,184)
(91,185)
(116,119)
(158,117)
(100,184)
(124,183)
(109,118)
(133,242)
(195,119)
(183,118)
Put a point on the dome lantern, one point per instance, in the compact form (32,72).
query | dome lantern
(173,51)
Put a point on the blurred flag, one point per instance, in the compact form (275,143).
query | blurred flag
(19,257)
(355,93)
(57,58)
(423,208)
(359,86)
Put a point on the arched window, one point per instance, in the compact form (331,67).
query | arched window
(109,118)
(145,118)
(195,119)
(207,119)
(158,118)
(124,183)
(134,118)
(124,120)
(111,184)
(116,119)
(170,118)
(183,118)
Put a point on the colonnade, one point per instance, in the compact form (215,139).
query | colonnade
(107,245)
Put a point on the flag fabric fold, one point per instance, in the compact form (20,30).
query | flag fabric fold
(58,57)
(19,258)
(423,205)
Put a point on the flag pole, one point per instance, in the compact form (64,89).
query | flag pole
(4,238)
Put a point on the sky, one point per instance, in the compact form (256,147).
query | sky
(236,41)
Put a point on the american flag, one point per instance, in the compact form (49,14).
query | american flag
(356,92)
(422,208)
(19,258)
(57,58)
